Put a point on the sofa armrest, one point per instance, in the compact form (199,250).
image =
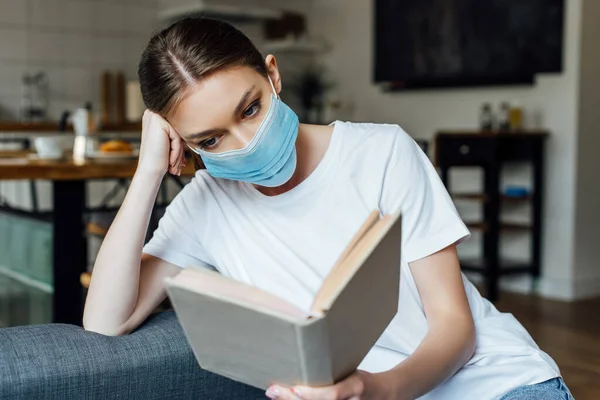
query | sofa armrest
(58,361)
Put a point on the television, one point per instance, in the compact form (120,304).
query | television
(450,43)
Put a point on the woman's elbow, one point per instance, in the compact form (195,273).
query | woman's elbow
(463,334)
(92,325)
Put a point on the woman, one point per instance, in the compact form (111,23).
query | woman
(274,207)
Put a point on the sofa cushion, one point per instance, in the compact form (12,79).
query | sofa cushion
(58,361)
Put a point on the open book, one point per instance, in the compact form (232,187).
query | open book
(254,337)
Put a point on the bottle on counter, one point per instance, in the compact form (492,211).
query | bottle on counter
(80,121)
(515,117)
(486,117)
(503,117)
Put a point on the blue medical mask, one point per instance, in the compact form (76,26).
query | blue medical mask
(270,157)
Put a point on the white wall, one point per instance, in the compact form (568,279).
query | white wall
(73,41)
(348,25)
(587,210)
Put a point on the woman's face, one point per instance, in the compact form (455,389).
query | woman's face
(224,110)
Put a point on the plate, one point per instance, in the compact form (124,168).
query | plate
(37,157)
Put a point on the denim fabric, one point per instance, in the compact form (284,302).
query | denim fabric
(553,389)
(64,362)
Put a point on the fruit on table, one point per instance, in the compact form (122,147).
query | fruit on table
(120,146)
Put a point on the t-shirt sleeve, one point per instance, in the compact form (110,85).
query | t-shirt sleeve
(176,240)
(411,184)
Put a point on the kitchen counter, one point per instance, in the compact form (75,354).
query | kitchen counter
(24,168)
(15,141)
(52,126)
(31,134)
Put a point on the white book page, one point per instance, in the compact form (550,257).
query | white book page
(216,285)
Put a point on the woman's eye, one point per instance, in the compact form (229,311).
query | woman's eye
(209,143)
(253,109)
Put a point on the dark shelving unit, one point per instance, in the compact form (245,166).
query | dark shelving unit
(490,151)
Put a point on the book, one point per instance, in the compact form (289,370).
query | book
(254,337)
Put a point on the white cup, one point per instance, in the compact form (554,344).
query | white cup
(79,119)
(51,147)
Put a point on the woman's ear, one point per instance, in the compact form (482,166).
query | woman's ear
(273,71)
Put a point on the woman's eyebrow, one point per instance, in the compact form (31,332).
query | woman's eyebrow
(239,108)
(200,135)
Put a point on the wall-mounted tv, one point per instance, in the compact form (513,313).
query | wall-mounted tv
(450,43)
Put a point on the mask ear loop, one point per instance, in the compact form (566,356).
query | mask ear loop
(273,87)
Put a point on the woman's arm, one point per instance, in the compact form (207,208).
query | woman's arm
(125,286)
(448,345)
(450,341)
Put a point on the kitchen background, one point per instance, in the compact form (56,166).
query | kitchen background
(74,41)
(325,49)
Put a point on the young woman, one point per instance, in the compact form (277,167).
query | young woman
(274,207)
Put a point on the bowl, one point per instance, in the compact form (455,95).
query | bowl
(50,147)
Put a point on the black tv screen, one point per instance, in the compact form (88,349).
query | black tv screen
(440,43)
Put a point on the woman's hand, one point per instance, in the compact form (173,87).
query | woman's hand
(359,386)
(162,148)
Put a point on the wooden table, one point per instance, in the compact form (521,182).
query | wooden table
(69,205)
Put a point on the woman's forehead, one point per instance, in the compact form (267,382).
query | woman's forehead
(211,103)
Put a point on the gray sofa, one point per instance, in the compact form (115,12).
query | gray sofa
(57,361)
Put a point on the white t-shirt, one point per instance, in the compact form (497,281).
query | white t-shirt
(286,245)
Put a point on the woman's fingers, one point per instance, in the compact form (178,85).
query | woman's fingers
(181,160)
(176,144)
(175,152)
(348,389)
(281,393)
(177,156)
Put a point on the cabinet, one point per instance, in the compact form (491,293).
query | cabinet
(490,151)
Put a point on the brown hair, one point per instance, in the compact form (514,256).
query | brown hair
(179,56)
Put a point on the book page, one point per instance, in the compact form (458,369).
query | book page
(334,279)
(213,284)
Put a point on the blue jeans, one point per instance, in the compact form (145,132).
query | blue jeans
(553,389)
